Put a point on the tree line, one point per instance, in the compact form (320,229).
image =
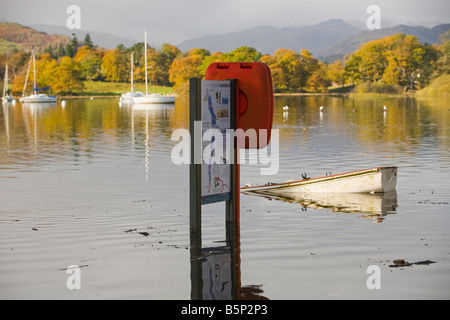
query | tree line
(393,62)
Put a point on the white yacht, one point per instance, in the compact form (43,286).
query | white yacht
(35,97)
(153,97)
(128,97)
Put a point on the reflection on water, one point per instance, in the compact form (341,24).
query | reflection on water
(76,177)
(216,271)
(373,206)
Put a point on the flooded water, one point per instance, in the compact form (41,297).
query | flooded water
(92,184)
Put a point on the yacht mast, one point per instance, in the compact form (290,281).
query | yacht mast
(34,74)
(132,72)
(5,86)
(28,72)
(145,55)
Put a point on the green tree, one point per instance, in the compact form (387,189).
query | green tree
(61,52)
(89,62)
(72,47)
(87,41)
(160,62)
(242,54)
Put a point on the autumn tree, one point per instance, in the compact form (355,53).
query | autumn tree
(184,68)
(276,72)
(318,80)
(207,59)
(336,73)
(114,66)
(89,62)
(443,55)
(159,62)
(308,66)
(46,67)
(288,62)
(66,77)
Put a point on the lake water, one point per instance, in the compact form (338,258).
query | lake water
(92,184)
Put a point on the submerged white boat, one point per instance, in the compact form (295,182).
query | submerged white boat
(375,180)
(35,97)
(153,97)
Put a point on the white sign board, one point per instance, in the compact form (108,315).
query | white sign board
(216,115)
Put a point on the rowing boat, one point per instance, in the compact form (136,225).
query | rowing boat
(375,180)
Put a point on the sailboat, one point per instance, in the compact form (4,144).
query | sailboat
(35,97)
(128,97)
(6,97)
(153,97)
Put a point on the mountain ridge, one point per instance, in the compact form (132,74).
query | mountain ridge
(329,39)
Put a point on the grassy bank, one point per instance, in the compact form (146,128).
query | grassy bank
(101,88)
(438,87)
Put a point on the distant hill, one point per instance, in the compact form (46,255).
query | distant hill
(7,47)
(352,43)
(14,35)
(268,39)
(329,40)
(103,40)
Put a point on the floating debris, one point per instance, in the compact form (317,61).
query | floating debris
(399,263)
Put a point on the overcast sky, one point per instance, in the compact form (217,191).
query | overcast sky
(174,21)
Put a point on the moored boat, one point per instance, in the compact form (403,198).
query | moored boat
(35,97)
(128,96)
(153,97)
(375,180)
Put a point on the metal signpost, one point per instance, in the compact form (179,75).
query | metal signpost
(213,110)
(234,96)
(213,105)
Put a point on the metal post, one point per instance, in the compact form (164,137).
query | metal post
(195,205)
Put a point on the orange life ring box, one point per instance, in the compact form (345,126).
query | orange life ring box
(255,101)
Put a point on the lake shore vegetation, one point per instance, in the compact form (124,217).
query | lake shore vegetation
(392,65)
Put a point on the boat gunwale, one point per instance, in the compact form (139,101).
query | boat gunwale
(315,180)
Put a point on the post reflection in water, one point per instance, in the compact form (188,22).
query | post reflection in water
(216,271)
